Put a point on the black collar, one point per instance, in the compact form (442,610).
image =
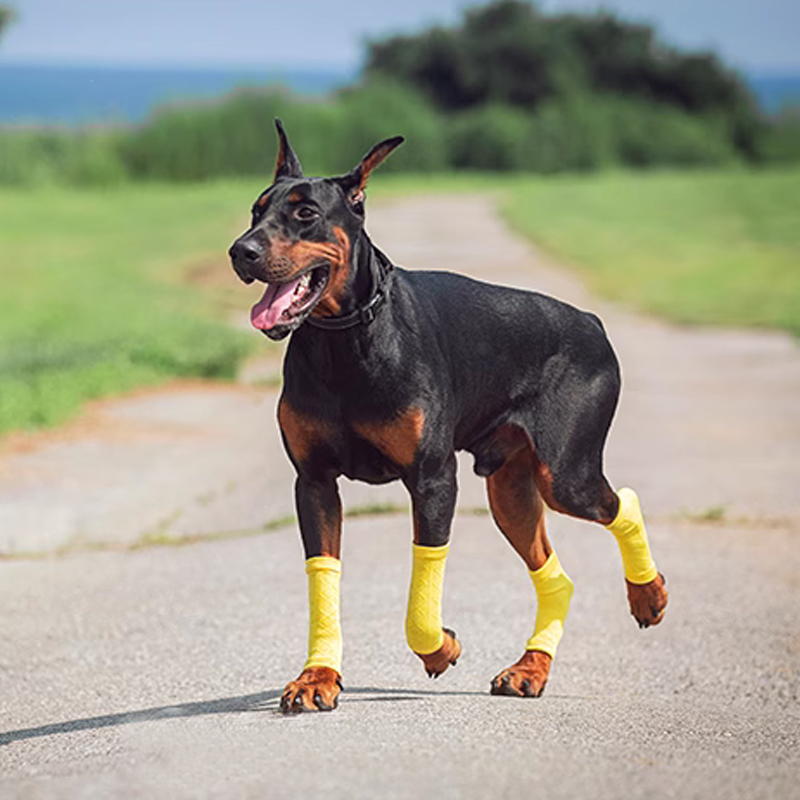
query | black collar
(363,315)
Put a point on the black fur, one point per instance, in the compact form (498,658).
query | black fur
(476,358)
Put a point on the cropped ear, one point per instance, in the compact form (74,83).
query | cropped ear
(287,164)
(354,182)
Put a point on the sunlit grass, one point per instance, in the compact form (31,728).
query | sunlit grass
(92,296)
(705,247)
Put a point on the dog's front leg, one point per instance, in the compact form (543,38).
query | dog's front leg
(433,493)
(319,510)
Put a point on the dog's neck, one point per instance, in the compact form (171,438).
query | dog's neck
(365,274)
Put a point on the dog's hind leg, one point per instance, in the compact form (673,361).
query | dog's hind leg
(433,494)
(647,595)
(570,436)
(518,510)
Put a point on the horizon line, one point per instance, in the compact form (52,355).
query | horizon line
(343,69)
(188,66)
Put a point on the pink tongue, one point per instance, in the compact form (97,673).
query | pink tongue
(277,298)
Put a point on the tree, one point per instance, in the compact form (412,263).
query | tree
(501,53)
(510,53)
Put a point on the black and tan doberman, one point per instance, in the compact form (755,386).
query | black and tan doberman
(389,373)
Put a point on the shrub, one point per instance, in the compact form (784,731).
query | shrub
(382,108)
(781,142)
(584,133)
(236,136)
(489,138)
(648,134)
(201,141)
(35,157)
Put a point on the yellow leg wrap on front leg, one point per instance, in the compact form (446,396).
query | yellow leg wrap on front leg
(628,528)
(424,618)
(324,630)
(553,594)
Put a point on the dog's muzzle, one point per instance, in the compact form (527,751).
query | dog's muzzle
(247,258)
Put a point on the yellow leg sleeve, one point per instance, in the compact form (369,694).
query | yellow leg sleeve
(424,618)
(553,594)
(324,631)
(629,530)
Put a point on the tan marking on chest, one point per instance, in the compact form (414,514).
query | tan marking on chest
(302,432)
(399,438)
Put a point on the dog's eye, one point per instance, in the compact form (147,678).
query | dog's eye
(305,213)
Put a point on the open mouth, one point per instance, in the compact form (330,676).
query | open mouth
(285,303)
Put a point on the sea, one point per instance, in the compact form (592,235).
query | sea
(76,95)
(70,96)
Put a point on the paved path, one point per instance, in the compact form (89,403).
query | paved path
(153,671)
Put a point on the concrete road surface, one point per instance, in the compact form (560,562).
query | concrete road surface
(132,665)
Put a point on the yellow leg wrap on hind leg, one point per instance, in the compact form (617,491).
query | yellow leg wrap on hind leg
(324,631)
(628,528)
(553,594)
(424,617)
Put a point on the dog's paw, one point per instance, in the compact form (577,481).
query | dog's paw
(526,678)
(648,601)
(316,689)
(446,656)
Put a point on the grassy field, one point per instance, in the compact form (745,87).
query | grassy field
(94,297)
(105,290)
(715,247)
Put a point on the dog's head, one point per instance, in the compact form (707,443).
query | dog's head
(300,239)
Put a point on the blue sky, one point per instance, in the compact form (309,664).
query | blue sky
(761,36)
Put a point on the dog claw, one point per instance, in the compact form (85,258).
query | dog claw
(313,690)
(321,704)
(526,678)
(447,655)
(648,602)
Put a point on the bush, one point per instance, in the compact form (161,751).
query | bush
(381,108)
(781,142)
(237,136)
(489,138)
(584,133)
(30,158)
(656,135)
(187,143)
(576,135)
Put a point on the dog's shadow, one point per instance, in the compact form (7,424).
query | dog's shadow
(268,701)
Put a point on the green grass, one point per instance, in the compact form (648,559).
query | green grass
(93,296)
(715,247)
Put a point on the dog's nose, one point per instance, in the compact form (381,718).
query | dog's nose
(246,250)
